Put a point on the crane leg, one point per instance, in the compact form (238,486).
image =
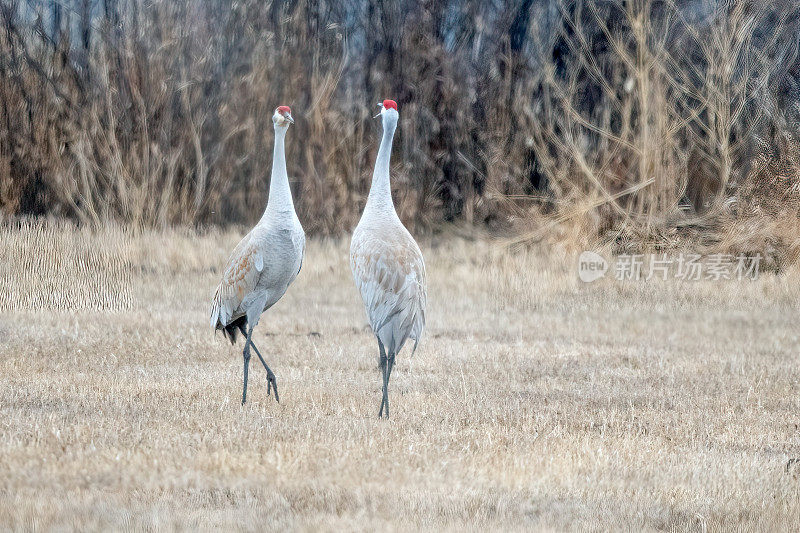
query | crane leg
(390,362)
(384,363)
(271,381)
(246,356)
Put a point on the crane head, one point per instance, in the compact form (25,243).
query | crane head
(283,116)
(385,106)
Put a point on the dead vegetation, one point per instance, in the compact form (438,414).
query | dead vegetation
(534,402)
(631,123)
(55,265)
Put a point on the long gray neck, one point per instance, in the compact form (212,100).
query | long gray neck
(380,193)
(280,195)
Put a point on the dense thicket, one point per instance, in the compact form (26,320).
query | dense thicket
(633,113)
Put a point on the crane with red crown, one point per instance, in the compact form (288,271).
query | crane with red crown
(387,264)
(264,263)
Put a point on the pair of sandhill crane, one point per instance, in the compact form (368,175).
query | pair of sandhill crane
(386,262)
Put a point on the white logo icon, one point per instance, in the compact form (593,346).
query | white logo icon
(591,266)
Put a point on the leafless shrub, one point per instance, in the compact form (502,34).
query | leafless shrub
(648,121)
(620,120)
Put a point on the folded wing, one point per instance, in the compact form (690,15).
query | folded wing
(391,280)
(239,280)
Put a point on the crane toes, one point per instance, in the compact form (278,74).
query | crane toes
(272,383)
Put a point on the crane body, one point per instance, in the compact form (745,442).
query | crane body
(264,263)
(387,264)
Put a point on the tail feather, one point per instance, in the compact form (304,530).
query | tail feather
(216,310)
(231,330)
(219,317)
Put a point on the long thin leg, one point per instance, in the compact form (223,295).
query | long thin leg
(384,363)
(271,381)
(246,356)
(386,376)
(386,387)
(390,362)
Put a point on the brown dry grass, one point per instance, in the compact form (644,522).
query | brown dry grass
(534,401)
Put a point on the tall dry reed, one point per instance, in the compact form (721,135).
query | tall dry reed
(618,120)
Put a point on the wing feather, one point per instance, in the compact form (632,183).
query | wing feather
(390,275)
(239,279)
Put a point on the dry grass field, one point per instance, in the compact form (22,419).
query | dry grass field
(534,402)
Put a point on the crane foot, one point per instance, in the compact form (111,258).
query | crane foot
(272,383)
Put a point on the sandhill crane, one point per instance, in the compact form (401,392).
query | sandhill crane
(387,264)
(265,262)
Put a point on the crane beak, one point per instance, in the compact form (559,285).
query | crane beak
(381,106)
(288,117)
